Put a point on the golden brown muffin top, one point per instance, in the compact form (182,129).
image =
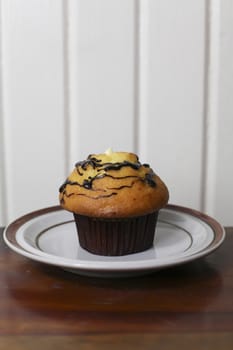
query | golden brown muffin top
(113,185)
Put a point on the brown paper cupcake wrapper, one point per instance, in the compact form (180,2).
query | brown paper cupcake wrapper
(115,237)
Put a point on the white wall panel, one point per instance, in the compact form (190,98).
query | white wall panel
(2,156)
(101,76)
(172,62)
(150,76)
(32,72)
(2,173)
(219,201)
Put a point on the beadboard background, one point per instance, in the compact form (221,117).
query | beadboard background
(150,76)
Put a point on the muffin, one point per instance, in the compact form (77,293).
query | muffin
(115,201)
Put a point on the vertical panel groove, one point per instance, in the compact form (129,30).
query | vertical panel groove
(205,104)
(65,6)
(136,80)
(211,105)
(72,8)
(3,197)
(141,73)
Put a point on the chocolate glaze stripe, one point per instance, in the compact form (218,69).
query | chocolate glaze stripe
(85,195)
(87,184)
(90,181)
(75,183)
(96,163)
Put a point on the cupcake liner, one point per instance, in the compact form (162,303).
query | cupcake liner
(115,237)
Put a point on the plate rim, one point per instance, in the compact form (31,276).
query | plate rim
(10,231)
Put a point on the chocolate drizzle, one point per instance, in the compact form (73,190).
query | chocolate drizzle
(150,180)
(96,164)
(102,169)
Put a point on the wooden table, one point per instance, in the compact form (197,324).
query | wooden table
(43,307)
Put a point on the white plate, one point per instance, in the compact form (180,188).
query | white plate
(49,236)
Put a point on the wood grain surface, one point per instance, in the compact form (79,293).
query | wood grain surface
(45,307)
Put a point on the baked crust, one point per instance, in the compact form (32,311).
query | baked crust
(114,185)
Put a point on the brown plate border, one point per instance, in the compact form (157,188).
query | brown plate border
(217,228)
